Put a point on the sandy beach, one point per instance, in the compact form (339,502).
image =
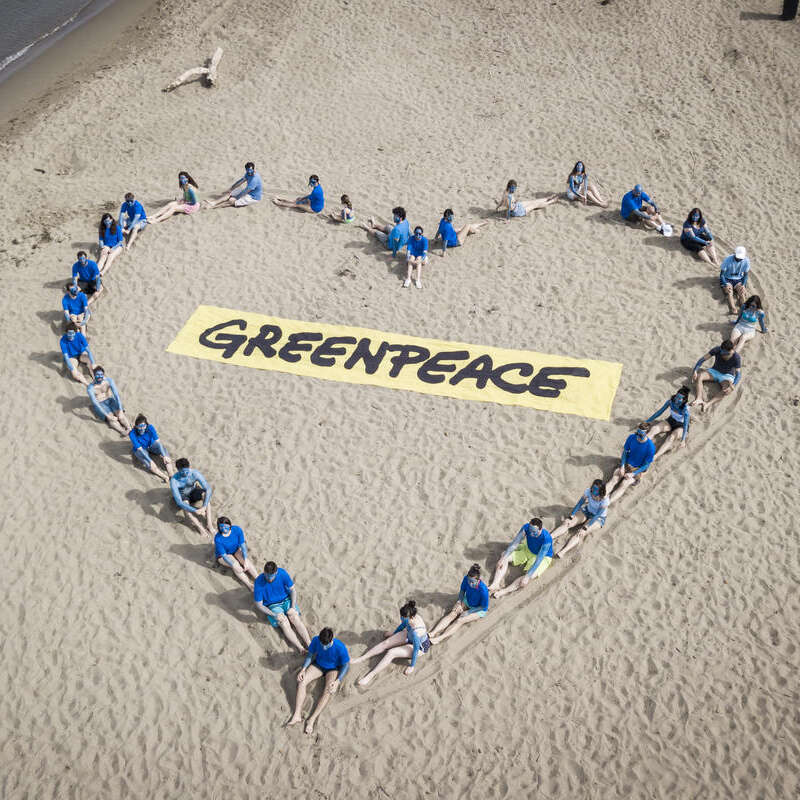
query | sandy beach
(658,661)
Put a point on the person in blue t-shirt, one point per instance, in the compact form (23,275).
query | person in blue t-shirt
(638,453)
(726,372)
(676,424)
(589,513)
(76,307)
(638,207)
(416,257)
(75,351)
(452,236)
(733,274)
(696,237)
(514,207)
(472,604)
(230,550)
(192,495)
(531,549)
(408,640)
(275,597)
(132,218)
(106,402)
(250,193)
(313,202)
(145,443)
(579,187)
(395,236)
(110,241)
(326,656)
(86,275)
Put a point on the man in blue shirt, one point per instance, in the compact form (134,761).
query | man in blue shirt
(249,194)
(76,307)
(132,218)
(75,351)
(331,659)
(637,456)
(531,549)
(230,550)
(417,256)
(275,597)
(726,372)
(145,442)
(86,275)
(733,274)
(394,236)
(637,206)
(313,202)
(192,494)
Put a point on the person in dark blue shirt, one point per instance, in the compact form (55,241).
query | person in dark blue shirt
(726,372)
(637,456)
(452,236)
(313,202)
(472,604)
(230,550)
(417,257)
(395,236)
(275,596)
(326,656)
(110,241)
(86,275)
(531,549)
(132,218)
(145,443)
(676,424)
(75,351)
(76,306)
(696,237)
(638,207)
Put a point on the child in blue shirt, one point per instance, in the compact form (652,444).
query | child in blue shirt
(417,256)
(144,443)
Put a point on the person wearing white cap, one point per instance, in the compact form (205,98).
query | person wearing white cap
(733,274)
(638,206)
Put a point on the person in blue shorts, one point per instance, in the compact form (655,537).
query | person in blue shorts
(734,272)
(249,194)
(416,257)
(313,202)
(230,550)
(75,351)
(106,402)
(326,657)
(675,425)
(395,236)
(696,237)
(744,329)
(514,207)
(579,187)
(132,218)
(192,495)
(638,207)
(531,549)
(76,307)
(590,513)
(452,236)
(638,453)
(86,276)
(276,598)
(110,240)
(472,604)
(727,371)
(145,443)
(408,640)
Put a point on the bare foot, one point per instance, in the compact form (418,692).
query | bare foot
(364,681)
(309,729)
(294,720)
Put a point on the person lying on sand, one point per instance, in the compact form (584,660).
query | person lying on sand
(589,513)
(675,425)
(76,307)
(275,597)
(579,187)
(313,202)
(106,402)
(521,208)
(132,218)
(472,604)
(637,456)
(251,193)
(189,488)
(395,237)
(451,236)
(86,275)
(187,204)
(111,242)
(408,640)
(145,442)
(416,257)
(345,214)
(726,372)
(230,550)
(531,549)
(745,328)
(733,274)
(75,351)
(696,237)
(326,657)
(638,207)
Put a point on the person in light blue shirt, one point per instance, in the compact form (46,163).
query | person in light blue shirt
(86,275)
(395,236)
(249,194)
(417,257)
(531,549)
(275,596)
(637,456)
(110,241)
(638,207)
(452,236)
(675,425)
(472,604)
(145,443)
(230,550)
(745,328)
(313,202)
(76,307)
(326,657)
(734,272)
(589,513)
(579,187)
(76,352)
(192,495)
(512,206)
(106,402)
(132,218)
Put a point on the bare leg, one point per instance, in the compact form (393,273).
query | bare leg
(701,377)
(740,293)
(288,632)
(727,388)
(471,228)
(409,270)
(403,651)
(196,523)
(447,619)
(311,674)
(519,583)
(237,571)
(78,376)
(569,522)
(499,574)
(330,687)
(101,261)
(299,626)
(619,473)
(463,619)
(156,471)
(713,253)
(115,424)
(209,527)
(390,641)
(704,256)
(596,197)
(576,540)
(166,212)
(535,205)
(668,443)
(628,481)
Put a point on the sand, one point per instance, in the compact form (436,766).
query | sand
(659,661)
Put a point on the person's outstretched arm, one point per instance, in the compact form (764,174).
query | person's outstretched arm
(293,597)
(658,413)
(762,321)
(514,543)
(176,495)
(539,558)
(701,361)
(238,183)
(686,414)
(577,507)
(206,487)
(114,391)
(90,391)
(647,462)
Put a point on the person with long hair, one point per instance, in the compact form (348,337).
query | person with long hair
(521,208)
(345,214)
(188,203)
(589,513)
(76,353)
(313,202)
(472,605)
(531,549)
(696,237)
(452,236)
(579,187)
(145,443)
(676,424)
(750,314)
(275,596)
(110,240)
(230,550)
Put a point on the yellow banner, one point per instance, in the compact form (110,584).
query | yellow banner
(359,355)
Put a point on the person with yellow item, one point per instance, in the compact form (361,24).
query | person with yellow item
(531,549)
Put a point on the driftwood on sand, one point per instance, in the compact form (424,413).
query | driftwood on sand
(208,73)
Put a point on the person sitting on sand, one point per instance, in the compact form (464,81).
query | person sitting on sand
(531,549)
(590,513)
(313,202)
(75,351)
(345,214)
(230,550)
(106,402)
(187,204)
(132,218)
(145,442)
(189,487)
(637,456)
(676,424)
(86,275)
(395,236)
(417,257)
(275,597)
(326,656)
(111,242)
(726,372)
(580,188)
(472,604)
(455,237)
(249,194)
(697,238)
(521,208)
(76,307)
(638,207)
(408,640)
(745,328)
(734,272)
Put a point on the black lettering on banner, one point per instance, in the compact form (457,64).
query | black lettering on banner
(434,365)
(324,355)
(525,370)
(295,342)
(267,336)
(479,369)
(362,353)
(543,386)
(229,343)
(406,354)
